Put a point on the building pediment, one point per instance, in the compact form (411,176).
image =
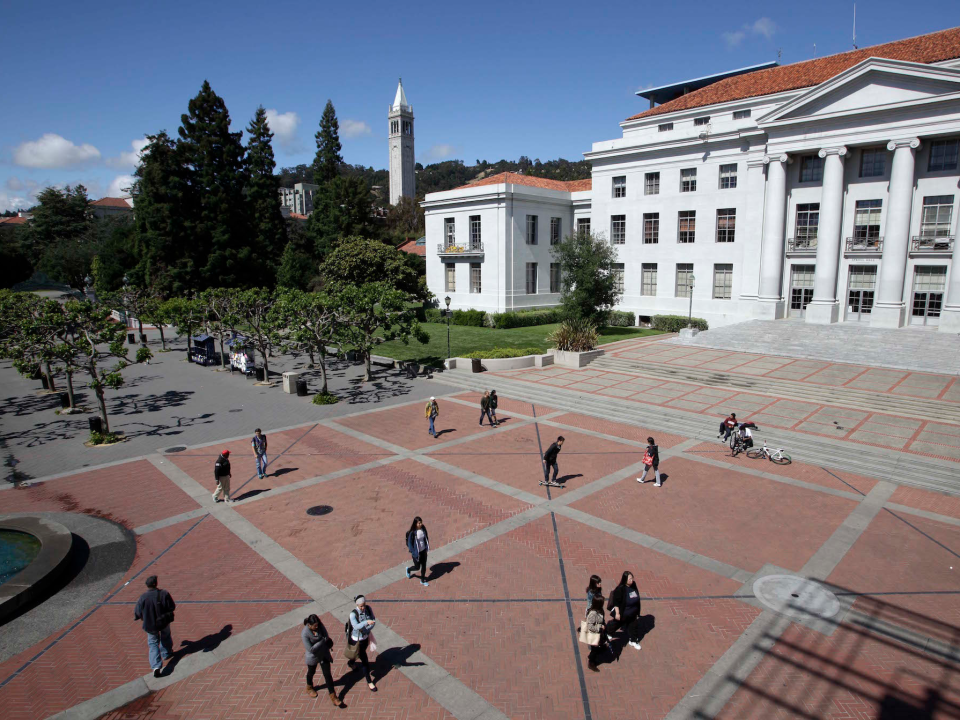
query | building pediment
(874,85)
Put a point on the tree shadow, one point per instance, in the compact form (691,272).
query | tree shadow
(207,643)
(440,569)
(20,405)
(132,403)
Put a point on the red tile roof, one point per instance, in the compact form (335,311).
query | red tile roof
(529,180)
(410,246)
(112,202)
(14,220)
(298,216)
(935,47)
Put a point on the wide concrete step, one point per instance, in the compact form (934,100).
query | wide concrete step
(881,463)
(918,408)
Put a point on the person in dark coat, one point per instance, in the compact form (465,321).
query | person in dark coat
(550,460)
(418,544)
(624,603)
(493,407)
(595,623)
(155,608)
(221,471)
(653,453)
(485,409)
(317,644)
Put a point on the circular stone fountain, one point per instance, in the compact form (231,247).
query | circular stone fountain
(32,551)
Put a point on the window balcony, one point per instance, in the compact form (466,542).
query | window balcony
(859,245)
(931,244)
(802,246)
(453,250)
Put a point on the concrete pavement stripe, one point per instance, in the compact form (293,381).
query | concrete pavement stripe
(167,522)
(486,482)
(102,704)
(923,513)
(182,480)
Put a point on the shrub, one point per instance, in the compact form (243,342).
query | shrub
(103,438)
(619,318)
(497,353)
(432,315)
(676,323)
(144,354)
(507,320)
(472,318)
(325,399)
(575,336)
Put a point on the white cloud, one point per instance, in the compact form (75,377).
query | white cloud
(53,151)
(9,201)
(440,152)
(762,27)
(354,128)
(120,187)
(284,127)
(129,159)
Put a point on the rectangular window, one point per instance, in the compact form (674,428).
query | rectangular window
(475,237)
(531,229)
(651,183)
(686,226)
(811,168)
(873,162)
(531,278)
(583,225)
(726,225)
(449,232)
(664,127)
(688,180)
(943,154)
(554,230)
(450,285)
(808,222)
(617,273)
(651,228)
(701,121)
(722,281)
(475,286)
(728,176)
(684,273)
(866,221)
(618,229)
(554,277)
(741,114)
(620,186)
(648,282)
(936,219)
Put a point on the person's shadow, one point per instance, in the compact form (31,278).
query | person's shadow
(441,569)
(392,658)
(563,479)
(206,644)
(616,644)
(444,432)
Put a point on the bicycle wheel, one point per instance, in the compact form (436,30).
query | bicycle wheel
(755,453)
(781,459)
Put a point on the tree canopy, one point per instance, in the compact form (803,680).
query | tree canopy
(589,285)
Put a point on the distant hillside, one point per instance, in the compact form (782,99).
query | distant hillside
(450,173)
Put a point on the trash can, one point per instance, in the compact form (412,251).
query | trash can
(131,338)
(96,424)
(43,381)
(475,363)
(412,370)
(143,337)
(301,388)
(64,400)
(259,373)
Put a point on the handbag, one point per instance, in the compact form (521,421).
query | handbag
(588,636)
(351,651)
(647,459)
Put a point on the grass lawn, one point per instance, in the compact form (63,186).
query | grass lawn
(465,339)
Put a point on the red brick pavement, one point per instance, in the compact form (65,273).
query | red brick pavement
(371,513)
(927,500)
(628,432)
(739,519)
(506,405)
(849,674)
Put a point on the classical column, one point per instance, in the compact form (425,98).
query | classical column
(770,301)
(824,308)
(889,309)
(950,313)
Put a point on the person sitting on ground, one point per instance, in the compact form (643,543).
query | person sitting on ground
(746,436)
(727,426)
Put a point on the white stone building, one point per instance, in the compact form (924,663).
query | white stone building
(402,158)
(825,190)
(297,200)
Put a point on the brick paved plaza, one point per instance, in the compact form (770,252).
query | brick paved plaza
(493,634)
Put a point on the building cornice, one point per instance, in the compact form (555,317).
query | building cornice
(675,144)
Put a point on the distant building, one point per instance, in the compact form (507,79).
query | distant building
(413,246)
(9,224)
(402,178)
(298,199)
(111,206)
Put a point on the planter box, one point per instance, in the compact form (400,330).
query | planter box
(575,360)
(543,360)
(494,364)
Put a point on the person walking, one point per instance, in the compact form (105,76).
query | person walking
(593,589)
(625,604)
(485,409)
(361,623)
(651,459)
(418,543)
(259,444)
(221,471)
(550,460)
(155,608)
(432,411)
(596,623)
(493,407)
(317,644)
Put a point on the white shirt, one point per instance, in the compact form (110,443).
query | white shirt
(421,540)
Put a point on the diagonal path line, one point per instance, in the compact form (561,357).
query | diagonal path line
(277,457)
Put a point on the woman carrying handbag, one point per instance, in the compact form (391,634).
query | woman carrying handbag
(592,631)
(359,628)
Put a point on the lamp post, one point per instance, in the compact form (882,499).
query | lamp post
(690,313)
(447,301)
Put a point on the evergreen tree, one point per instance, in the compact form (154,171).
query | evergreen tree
(341,208)
(298,268)
(269,231)
(326,165)
(59,235)
(214,159)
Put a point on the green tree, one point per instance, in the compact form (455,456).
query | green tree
(16,264)
(220,309)
(269,232)
(311,322)
(59,235)
(341,208)
(187,315)
(326,164)
(154,311)
(588,284)
(358,260)
(117,254)
(256,319)
(134,301)
(405,220)
(29,333)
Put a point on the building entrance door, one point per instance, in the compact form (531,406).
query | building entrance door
(801,289)
(863,279)
(929,282)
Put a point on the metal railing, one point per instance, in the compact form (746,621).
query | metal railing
(929,243)
(864,244)
(801,245)
(473,248)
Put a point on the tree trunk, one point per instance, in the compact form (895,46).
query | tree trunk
(49,373)
(140,336)
(222,361)
(323,374)
(313,362)
(163,340)
(366,366)
(266,364)
(73,404)
(101,401)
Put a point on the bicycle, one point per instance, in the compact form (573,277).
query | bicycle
(737,444)
(777,456)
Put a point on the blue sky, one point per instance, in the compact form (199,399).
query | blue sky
(86,81)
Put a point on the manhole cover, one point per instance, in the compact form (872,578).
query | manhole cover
(796,597)
(236,410)
(319,510)
(178,448)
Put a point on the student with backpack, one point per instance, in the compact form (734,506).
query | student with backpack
(317,644)
(418,544)
(358,628)
(431,412)
(651,459)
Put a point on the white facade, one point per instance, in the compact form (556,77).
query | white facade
(402,158)
(298,199)
(866,234)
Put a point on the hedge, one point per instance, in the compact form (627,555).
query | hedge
(497,353)
(676,323)
(507,320)
(432,315)
(472,318)
(620,318)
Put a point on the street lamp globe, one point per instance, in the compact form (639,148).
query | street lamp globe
(447,300)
